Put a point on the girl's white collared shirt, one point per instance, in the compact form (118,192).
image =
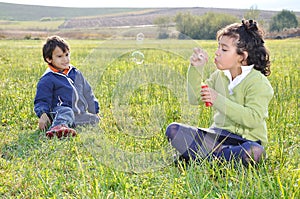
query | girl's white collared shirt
(233,83)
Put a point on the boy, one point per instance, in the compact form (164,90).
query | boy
(64,98)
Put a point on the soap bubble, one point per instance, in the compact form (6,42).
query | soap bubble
(140,36)
(141,87)
(137,57)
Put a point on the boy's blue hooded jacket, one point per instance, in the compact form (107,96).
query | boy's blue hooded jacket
(71,90)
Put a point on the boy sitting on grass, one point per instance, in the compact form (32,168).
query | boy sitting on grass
(64,98)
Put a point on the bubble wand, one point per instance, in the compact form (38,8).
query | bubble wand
(202,59)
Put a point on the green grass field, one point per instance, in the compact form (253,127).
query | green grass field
(141,89)
(31,25)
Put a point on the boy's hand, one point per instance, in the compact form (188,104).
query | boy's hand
(199,57)
(44,121)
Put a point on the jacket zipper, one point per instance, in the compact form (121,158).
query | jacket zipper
(76,94)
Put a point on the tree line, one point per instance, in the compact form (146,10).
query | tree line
(205,26)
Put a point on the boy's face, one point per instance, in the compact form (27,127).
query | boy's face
(226,57)
(60,59)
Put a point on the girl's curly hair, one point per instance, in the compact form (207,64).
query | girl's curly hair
(249,38)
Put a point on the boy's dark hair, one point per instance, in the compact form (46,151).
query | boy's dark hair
(249,38)
(51,43)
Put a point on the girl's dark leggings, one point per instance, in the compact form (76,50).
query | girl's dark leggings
(193,143)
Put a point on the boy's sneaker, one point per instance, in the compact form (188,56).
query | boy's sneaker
(61,131)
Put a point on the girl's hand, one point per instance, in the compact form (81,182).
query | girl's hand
(199,57)
(44,121)
(208,95)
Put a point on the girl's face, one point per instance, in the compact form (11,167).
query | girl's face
(60,59)
(226,57)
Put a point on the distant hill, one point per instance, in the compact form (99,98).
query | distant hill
(146,17)
(29,21)
(19,12)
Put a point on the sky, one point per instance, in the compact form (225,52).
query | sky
(277,5)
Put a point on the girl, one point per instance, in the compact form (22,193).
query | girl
(239,93)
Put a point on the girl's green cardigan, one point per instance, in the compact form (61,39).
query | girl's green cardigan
(245,111)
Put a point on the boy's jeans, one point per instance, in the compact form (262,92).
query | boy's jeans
(65,115)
